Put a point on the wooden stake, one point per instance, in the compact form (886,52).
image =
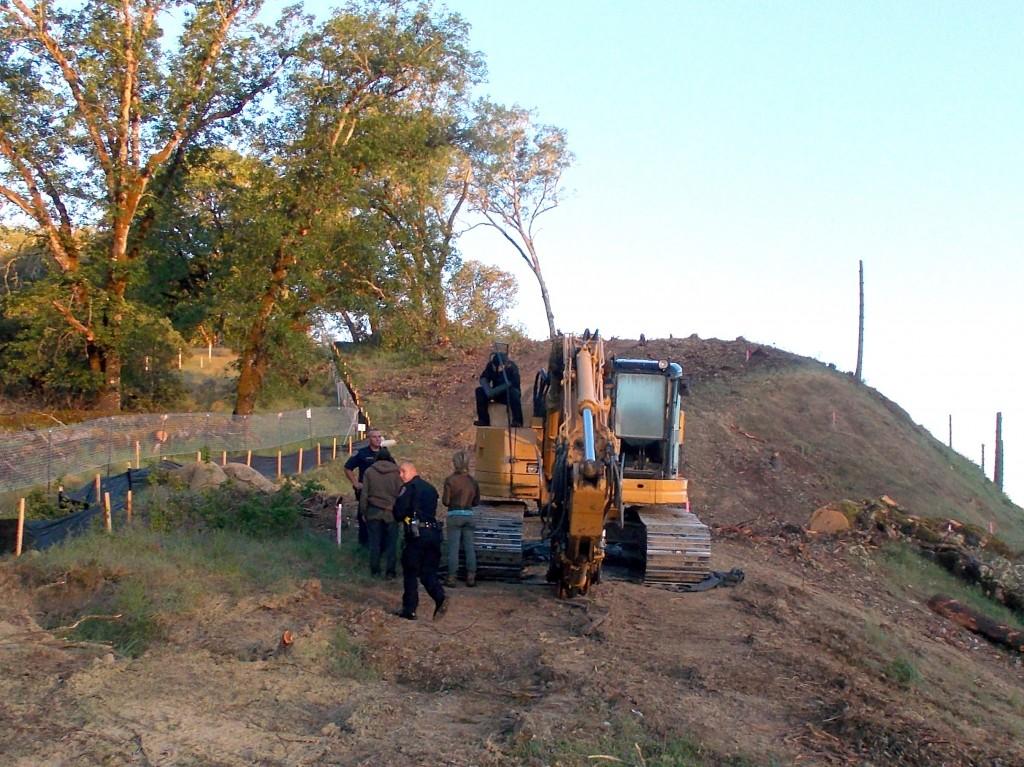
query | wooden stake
(223,457)
(128,507)
(248,458)
(300,461)
(334,448)
(279,464)
(209,346)
(21,527)
(138,455)
(96,487)
(179,360)
(199,456)
(106,512)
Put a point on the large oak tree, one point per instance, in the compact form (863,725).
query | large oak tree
(95,101)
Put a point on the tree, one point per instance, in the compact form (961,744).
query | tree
(385,58)
(418,194)
(93,106)
(479,298)
(518,166)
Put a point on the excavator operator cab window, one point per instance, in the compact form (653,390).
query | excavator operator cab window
(640,422)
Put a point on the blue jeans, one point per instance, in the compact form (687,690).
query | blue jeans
(460,530)
(383,540)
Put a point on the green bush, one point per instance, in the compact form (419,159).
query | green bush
(137,627)
(41,505)
(227,507)
(902,672)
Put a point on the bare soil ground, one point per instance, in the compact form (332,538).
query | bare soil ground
(816,658)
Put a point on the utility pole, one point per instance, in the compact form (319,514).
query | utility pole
(998,471)
(950,431)
(982,457)
(860,329)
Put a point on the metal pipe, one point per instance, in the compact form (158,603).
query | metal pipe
(589,453)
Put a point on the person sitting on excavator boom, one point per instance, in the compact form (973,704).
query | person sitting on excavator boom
(499,382)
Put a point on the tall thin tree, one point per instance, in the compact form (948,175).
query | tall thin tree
(518,177)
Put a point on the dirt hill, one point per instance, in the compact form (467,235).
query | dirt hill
(825,654)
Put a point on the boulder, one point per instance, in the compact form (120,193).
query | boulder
(206,475)
(248,477)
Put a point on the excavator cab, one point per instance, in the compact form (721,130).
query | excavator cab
(641,420)
(648,422)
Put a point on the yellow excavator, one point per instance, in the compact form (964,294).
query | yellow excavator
(601,461)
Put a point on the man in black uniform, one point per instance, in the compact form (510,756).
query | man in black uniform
(416,509)
(499,383)
(355,468)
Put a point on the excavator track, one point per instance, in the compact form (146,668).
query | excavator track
(677,546)
(498,538)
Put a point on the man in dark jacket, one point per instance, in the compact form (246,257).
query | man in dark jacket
(381,485)
(355,468)
(416,509)
(499,382)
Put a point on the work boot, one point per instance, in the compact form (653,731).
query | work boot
(470,579)
(407,616)
(449,582)
(442,608)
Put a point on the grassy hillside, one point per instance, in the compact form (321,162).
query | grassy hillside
(777,443)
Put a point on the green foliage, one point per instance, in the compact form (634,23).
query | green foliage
(340,197)
(99,108)
(479,298)
(902,671)
(519,165)
(41,505)
(226,507)
(910,571)
(136,628)
(347,658)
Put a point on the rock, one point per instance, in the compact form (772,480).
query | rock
(206,475)
(249,477)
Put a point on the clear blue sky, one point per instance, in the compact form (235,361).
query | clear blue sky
(734,160)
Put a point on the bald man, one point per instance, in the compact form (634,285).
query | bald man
(416,509)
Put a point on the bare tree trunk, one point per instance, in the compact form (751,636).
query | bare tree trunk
(860,329)
(355,329)
(998,472)
(547,302)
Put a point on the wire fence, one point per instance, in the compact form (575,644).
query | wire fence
(107,445)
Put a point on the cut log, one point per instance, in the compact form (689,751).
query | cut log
(971,620)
